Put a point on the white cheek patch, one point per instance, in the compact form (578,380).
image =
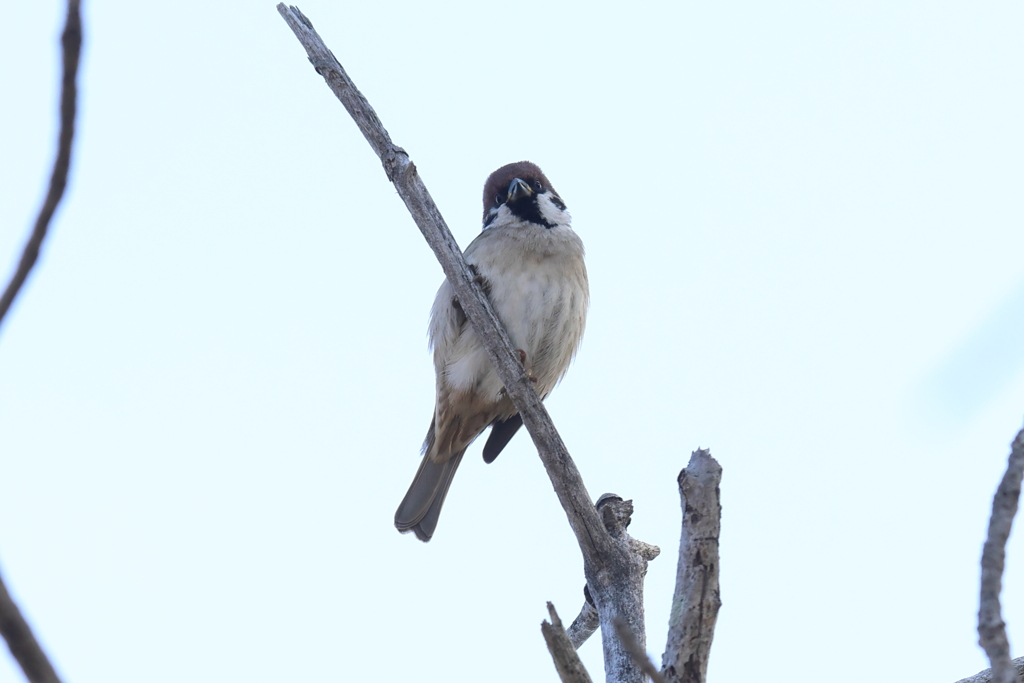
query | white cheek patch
(551,213)
(497,216)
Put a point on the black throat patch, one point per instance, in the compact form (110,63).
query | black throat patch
(528,209)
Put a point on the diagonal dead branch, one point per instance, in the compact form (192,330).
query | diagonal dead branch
(691,624)
(563,652)
(22,642)
(71,41)
(605,559)
(402,172)
(991,629)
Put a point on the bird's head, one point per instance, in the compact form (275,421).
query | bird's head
(521,192)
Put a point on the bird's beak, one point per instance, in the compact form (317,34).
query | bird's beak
(517,189)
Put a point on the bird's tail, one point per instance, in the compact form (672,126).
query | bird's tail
(421,506)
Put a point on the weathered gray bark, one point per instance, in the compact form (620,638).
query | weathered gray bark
(986,675)
(696,600)
(584,625)
(626,586)
(991,629)
(637,652)
(567,663)
(616,514)
(605,558)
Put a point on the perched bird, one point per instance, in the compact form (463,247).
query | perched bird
(529,262)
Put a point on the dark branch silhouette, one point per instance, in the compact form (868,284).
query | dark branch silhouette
(22,642)
(991,629)
(72,43)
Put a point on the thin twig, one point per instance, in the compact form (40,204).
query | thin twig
(691,623)
(991,629)
(22,642)
(563,653)
(71,41)
(636,652)
(605,559)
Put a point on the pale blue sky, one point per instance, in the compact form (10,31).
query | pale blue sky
(804,236)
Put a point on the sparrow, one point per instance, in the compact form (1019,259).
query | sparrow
(529,263)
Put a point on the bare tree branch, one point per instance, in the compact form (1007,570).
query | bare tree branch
(691,623)
(22,642)
(636,652)
(24,647)
(605,559)
(986,675)
(626,589)
(584,625)
(991,629)
(616,515)
(71,40)
(563,652)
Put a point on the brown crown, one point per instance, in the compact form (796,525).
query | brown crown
(499,181)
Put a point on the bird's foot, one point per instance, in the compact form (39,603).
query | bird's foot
(481,282)
(522,360)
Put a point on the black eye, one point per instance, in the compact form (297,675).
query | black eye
(537,186)
(498,200)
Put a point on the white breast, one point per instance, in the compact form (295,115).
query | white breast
(538,288)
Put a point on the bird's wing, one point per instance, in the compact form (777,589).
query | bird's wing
(447,321)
